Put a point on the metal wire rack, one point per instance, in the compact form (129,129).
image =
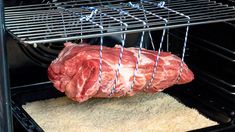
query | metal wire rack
(72,20)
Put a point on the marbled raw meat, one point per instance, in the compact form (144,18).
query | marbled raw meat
(76,71)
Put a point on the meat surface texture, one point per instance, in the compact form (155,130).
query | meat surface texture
(76,71)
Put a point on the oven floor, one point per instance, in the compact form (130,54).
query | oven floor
(142,112)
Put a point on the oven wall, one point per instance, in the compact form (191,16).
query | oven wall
(5,98)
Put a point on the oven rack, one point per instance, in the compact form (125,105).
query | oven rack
(80,19)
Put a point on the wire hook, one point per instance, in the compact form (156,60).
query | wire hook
(65,31)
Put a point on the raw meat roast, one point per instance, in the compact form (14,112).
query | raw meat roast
(76,71)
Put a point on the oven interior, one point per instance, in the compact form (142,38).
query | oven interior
(210,54)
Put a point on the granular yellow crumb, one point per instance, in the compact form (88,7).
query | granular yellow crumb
(140,113)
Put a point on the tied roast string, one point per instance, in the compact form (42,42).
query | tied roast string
(140,47)
(162,38)
(141,41)
(162,5)
(121,51)
(88,18)
(137,6)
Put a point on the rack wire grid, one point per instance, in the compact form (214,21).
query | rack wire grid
(78,19)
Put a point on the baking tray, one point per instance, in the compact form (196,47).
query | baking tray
(187,94)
